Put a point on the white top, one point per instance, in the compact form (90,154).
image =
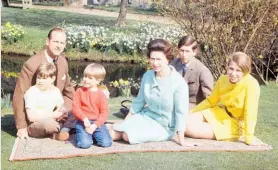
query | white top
(43,101)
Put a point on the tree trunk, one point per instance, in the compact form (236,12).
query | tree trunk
(4,3)
(122,15)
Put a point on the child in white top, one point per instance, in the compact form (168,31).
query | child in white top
(44,105)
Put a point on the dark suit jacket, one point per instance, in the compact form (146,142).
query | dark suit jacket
(199,79)
(27,78)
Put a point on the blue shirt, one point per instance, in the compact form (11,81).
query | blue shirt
(164,100)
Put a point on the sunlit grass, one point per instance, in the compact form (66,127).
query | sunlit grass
(266,130)
(37,24)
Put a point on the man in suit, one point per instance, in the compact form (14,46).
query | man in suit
(55,45)
(195,73)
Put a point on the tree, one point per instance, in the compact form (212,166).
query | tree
(227,26)
(122,15)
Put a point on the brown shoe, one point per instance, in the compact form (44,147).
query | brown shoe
(61,136)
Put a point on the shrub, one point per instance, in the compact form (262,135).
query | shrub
(6,102)
(125,86)
(228,26)
(12,33)
(8,82)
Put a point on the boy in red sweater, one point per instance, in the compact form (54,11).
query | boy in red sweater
(90,108)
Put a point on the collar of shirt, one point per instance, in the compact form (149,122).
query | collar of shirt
(48,58)
(187,64)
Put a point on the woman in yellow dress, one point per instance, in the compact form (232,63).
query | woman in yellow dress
(231,110)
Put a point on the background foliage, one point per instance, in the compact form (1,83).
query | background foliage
(12,33)
(227,26)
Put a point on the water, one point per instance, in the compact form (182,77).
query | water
(114,71)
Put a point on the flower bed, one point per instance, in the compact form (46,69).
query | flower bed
(105,39)
(11,33)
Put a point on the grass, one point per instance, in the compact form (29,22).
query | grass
(110,8)
(266,130)
(133,10)
(45,3)
(46,19)
(33,41)
(38,22)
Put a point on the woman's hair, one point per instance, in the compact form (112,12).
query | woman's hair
(162,46)
(188,41)
(95,70)
(46,70)
(242,60)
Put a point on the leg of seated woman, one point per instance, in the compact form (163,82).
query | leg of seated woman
(198,127)
(125,137)
(115,135)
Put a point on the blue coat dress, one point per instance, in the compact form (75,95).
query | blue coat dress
(160,109)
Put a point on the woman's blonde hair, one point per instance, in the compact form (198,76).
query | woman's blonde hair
(242,60)
(46,70)
(95,70)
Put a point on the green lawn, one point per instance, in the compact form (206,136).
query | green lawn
(37,23)
(133,10)
(46,19)
(266,130)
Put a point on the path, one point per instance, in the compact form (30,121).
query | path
(76,8)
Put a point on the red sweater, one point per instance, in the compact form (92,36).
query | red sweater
(92,105)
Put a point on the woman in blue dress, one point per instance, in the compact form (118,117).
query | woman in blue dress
(161,107)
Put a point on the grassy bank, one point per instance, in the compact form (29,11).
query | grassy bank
(266,130)
(37,23)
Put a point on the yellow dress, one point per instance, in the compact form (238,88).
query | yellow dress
(232,109)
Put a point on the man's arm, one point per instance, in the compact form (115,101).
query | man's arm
(206,82)
(23,83)
(211,100)
(68,91)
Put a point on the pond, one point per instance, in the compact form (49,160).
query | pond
(114,71)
